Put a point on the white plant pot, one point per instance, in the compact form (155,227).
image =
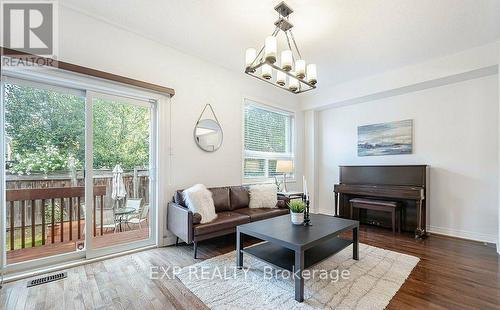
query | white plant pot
(297,218)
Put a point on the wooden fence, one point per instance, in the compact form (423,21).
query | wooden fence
(66,200)
(102,178)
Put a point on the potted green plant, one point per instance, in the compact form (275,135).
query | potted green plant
(297,208)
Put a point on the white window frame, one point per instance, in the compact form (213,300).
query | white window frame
(268,155)
(53,78)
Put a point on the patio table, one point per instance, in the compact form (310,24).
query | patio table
(120,213)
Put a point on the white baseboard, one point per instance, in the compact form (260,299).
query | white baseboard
(463,234)
(475,236)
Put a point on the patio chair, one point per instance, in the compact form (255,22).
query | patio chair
(111,223)
(139,217)
(134,203)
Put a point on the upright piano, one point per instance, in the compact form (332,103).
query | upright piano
(405,184)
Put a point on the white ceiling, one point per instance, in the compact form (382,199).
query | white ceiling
(347,39)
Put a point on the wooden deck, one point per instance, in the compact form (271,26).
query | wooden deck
(107,239)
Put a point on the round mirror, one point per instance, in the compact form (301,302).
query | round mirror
(208,135)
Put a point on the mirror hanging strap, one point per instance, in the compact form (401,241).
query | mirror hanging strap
(213,113)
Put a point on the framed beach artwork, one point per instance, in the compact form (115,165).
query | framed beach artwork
(394,138)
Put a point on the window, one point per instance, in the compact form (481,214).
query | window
(268,138)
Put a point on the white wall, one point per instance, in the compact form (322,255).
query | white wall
(93,43)
(431,73)
(455,132)
(311,157)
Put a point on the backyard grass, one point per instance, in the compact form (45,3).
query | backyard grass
(17,238)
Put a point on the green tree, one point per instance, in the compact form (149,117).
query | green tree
(265,131)
(44,126)
(47,129)
(121,135)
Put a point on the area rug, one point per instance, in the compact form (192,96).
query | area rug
(339,283)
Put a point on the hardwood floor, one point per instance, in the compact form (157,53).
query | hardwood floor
(452,274)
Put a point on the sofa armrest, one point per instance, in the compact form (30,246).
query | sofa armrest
(282,202)
(180,221)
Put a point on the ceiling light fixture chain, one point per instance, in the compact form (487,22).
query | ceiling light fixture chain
(292,69)
(290,46)
(295,43)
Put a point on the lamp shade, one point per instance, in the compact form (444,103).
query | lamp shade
(286,60)
(284,166)
(300,68)
(250,56)
(267,71)
(312,75)
(293,83)
(270,49)
(281,78)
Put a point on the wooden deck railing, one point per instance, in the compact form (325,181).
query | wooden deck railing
(43,197)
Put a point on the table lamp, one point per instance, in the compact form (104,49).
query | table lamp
(284,166)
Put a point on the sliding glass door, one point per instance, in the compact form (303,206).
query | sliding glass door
(79,173)
(44,147)
(122,145)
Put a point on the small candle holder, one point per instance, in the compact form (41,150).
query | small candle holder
(307,218)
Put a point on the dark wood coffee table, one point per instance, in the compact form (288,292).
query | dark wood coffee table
(296,247)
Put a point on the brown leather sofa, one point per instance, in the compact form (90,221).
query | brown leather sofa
(231,206)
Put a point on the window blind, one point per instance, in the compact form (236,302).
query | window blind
(268,138)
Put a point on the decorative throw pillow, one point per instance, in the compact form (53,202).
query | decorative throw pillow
(263,196)
(199,200)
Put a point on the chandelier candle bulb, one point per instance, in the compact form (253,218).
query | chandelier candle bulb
(270,49)
(312,75)
(293,84)
(286,60)
(267,71)
(300,68)
(250,56)
(281,78)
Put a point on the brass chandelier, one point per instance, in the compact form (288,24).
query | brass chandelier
(292,73)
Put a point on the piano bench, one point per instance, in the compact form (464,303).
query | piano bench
(379,205)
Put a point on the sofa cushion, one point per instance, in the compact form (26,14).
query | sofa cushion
(257,214)
(225,220)
(239,197)
(199,200)
(220,196)
(263,196)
